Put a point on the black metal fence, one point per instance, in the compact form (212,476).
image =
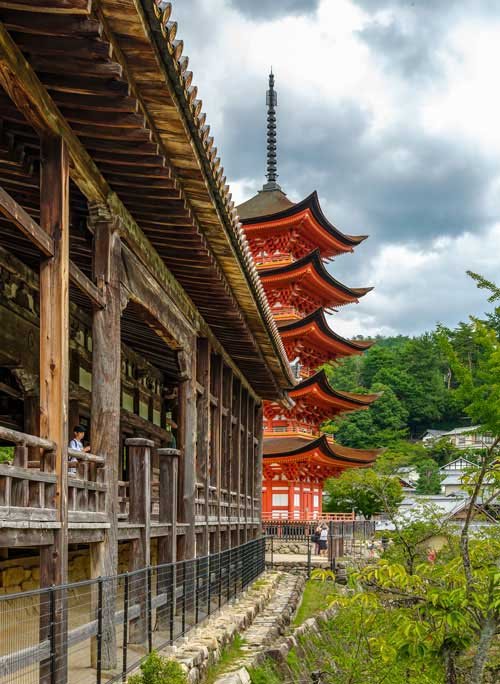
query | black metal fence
(99,630)
(297,531)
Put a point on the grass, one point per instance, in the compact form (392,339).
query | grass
(229,657)
(314,599)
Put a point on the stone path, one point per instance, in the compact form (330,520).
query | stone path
(267,626)
(260,615)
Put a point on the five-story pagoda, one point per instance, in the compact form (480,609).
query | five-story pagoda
(290,244)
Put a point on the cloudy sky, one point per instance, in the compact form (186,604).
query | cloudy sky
(390,109)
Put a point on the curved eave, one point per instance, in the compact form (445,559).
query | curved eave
(317,385)
(196,167)
(311,204)
(322,445)
(311,266)
(316,327)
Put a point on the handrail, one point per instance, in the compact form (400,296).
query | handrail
(86,457)
(23,439)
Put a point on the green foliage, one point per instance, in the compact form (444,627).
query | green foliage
(429,477)
(6,454)
(364,491)
(316,595)
(229,656)
(158,670)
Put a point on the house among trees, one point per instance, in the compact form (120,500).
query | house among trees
(291,244)
(461,438)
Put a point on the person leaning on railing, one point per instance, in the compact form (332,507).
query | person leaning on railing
(77,445)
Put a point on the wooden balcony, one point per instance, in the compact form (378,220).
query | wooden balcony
(28,493)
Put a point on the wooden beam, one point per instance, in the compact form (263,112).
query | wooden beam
(86,286)
(54,375)
(30,228)
(49,6)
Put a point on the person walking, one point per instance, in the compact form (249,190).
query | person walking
(315,538)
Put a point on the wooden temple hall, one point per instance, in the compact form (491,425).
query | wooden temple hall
(130,305)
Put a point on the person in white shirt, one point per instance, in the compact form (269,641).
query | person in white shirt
(76,444)
(323,540)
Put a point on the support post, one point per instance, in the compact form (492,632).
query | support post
(167,545)
(203,441)
(105,411)
(259,434)
(139,459)
(187,464)
(54,361)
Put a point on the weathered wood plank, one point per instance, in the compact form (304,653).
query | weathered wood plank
(20,218)
(86,286)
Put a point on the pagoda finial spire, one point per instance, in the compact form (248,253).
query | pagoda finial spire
(272,166)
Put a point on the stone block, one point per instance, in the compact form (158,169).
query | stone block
(13,576)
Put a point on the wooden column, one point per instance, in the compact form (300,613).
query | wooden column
(54,350)
(218,446)
(244,462)
(203,440)
(187,465)
(167,545)
(259,434)
(105,409)
(237,453)
(139,459)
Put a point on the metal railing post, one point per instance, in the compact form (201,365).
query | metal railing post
(196,593)
(52,635)
(125,629)
(220,579)
(99,631)
(184,585)
(209,587)
(149,609)
(172,602)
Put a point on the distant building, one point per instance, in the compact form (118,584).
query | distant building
(453,474)
(461,438)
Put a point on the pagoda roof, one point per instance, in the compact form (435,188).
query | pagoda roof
(265,202)
(319,334)
(290,448)
(318,387)
(274,209)
(311,270)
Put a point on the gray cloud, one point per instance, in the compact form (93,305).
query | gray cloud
(402,184)
(270,9)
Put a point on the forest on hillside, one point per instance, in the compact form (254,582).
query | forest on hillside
(416,383)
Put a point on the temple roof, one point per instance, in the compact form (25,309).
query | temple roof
(123,100)
(315,327)
(312,275)
(298,447)
(318,386)
(270,207)
(264,203)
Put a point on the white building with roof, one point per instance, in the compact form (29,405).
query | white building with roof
(469,437)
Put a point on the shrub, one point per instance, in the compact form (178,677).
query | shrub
(158,670)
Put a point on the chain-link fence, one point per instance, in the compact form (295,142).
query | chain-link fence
(99,630)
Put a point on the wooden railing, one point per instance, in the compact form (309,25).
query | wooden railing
(28,488)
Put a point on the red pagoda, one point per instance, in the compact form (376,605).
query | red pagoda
(290,244)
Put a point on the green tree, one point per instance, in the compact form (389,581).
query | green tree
(429,477)
(363,491)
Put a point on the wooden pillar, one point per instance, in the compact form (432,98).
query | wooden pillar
(259,433)
(187,464)
(244,461)
(237,454)
(218,445)
(167,545)
(54,361)
(203,437)
(139,459)
(105,409)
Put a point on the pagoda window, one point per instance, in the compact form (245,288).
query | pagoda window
(280,499)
